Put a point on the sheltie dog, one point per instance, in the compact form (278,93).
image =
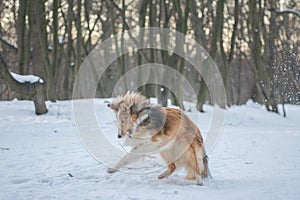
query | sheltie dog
(150,128)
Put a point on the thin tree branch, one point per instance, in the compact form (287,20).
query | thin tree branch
(127,28)
(285,11)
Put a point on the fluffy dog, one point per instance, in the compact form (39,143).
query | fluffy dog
(149,128)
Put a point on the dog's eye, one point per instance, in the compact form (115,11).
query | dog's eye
(123,120)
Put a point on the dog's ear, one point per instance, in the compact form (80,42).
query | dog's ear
(133,109)
(124,108)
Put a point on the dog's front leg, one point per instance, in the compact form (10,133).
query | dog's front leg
(133,156)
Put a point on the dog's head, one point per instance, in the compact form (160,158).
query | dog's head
(124,122)
(123,115)
(127,109)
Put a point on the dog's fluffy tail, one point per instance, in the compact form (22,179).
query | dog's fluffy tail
(202,159)
(203,164)
(206,171)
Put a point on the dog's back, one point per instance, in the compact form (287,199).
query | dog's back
(179,139)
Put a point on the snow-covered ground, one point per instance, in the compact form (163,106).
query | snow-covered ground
(41,157)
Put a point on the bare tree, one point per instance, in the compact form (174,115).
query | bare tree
(254,43)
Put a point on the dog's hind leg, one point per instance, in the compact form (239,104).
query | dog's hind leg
(168,172)
(199,180)
(192,175)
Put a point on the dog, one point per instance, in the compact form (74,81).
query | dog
(150,128)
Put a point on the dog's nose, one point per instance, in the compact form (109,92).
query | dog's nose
(119,134)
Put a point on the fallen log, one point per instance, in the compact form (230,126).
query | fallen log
(31,87)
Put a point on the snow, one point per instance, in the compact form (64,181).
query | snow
(26,78)
(257,157)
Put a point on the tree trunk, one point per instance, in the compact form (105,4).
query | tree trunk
(34,91)
(256,50)
(40,60)
(142,21)
(162,91)
(70,59)
(54,68)
(21,37)
(78,37)
(217,31)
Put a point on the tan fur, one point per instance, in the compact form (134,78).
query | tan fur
(178,139)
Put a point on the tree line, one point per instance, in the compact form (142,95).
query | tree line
(255,44)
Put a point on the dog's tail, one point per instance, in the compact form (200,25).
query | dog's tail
(206,171)
(202,160)
(203,164)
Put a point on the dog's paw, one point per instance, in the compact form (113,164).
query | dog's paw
(161,176)
(199,181)
(111,170)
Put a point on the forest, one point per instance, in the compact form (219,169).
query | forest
(254,43)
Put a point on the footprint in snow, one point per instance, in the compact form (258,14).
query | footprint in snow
(20,180)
